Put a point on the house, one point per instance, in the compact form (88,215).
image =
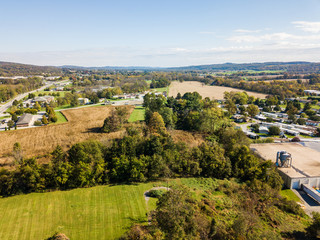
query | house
(83,101)
(312,123)
(43,99)
(264,130)
(260,117)
(24,120)
(312,92)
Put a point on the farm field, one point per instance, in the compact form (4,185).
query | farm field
(137,114)
(204,90)
(102,212)
(83,124)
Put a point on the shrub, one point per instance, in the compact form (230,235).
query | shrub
(37,123)
(295,139)
(274,130)
(156,193)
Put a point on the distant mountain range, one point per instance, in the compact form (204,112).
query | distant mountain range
(299,67)
(11,69)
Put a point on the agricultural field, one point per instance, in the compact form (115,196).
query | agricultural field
(205,90)
(102,212)
(83,124)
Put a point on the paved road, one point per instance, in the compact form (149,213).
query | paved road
(7,105)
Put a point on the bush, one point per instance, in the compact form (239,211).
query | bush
(295,139)
(255,128)
(290,206)
(301,121)
(265,140)
(37,123)
(156,193)
(274,130)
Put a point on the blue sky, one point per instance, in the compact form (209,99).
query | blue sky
(158,33)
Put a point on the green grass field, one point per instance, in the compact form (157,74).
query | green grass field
(137,114)
(290,195)
(62,93)
(103,212)
(7,116)
(61,117)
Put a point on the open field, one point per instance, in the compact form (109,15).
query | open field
(204,90)
(137,114)
(102,212)
(82,124)
(62,93)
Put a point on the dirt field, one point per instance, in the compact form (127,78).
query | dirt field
(204,90)
(82,125)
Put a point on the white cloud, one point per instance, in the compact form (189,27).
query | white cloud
(179,49)
(313,27)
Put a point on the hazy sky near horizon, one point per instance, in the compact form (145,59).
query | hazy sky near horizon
(158,33)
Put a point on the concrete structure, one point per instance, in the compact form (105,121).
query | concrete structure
(312,92)
(305,167)
(83,101)
(24,120)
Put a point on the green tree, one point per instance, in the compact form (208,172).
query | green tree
(213,162)
(252,110)
(17,153)
(111,123)
(10,124)
(274,130)
(231,107)
(14,117)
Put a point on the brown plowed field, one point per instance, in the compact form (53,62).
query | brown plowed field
(215,92)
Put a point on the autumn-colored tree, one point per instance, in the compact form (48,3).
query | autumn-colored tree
(44,120)
(37,106)
(156,125)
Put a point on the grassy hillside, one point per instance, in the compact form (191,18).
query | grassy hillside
(92,213)
(11,69)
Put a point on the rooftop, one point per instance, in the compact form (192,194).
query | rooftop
(304,159)
(25,119)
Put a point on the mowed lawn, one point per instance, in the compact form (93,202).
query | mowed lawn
(102,212)
(137,114)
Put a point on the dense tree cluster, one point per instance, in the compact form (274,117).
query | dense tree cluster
(138,158)
(10,88)
(282,89)
(187,112)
